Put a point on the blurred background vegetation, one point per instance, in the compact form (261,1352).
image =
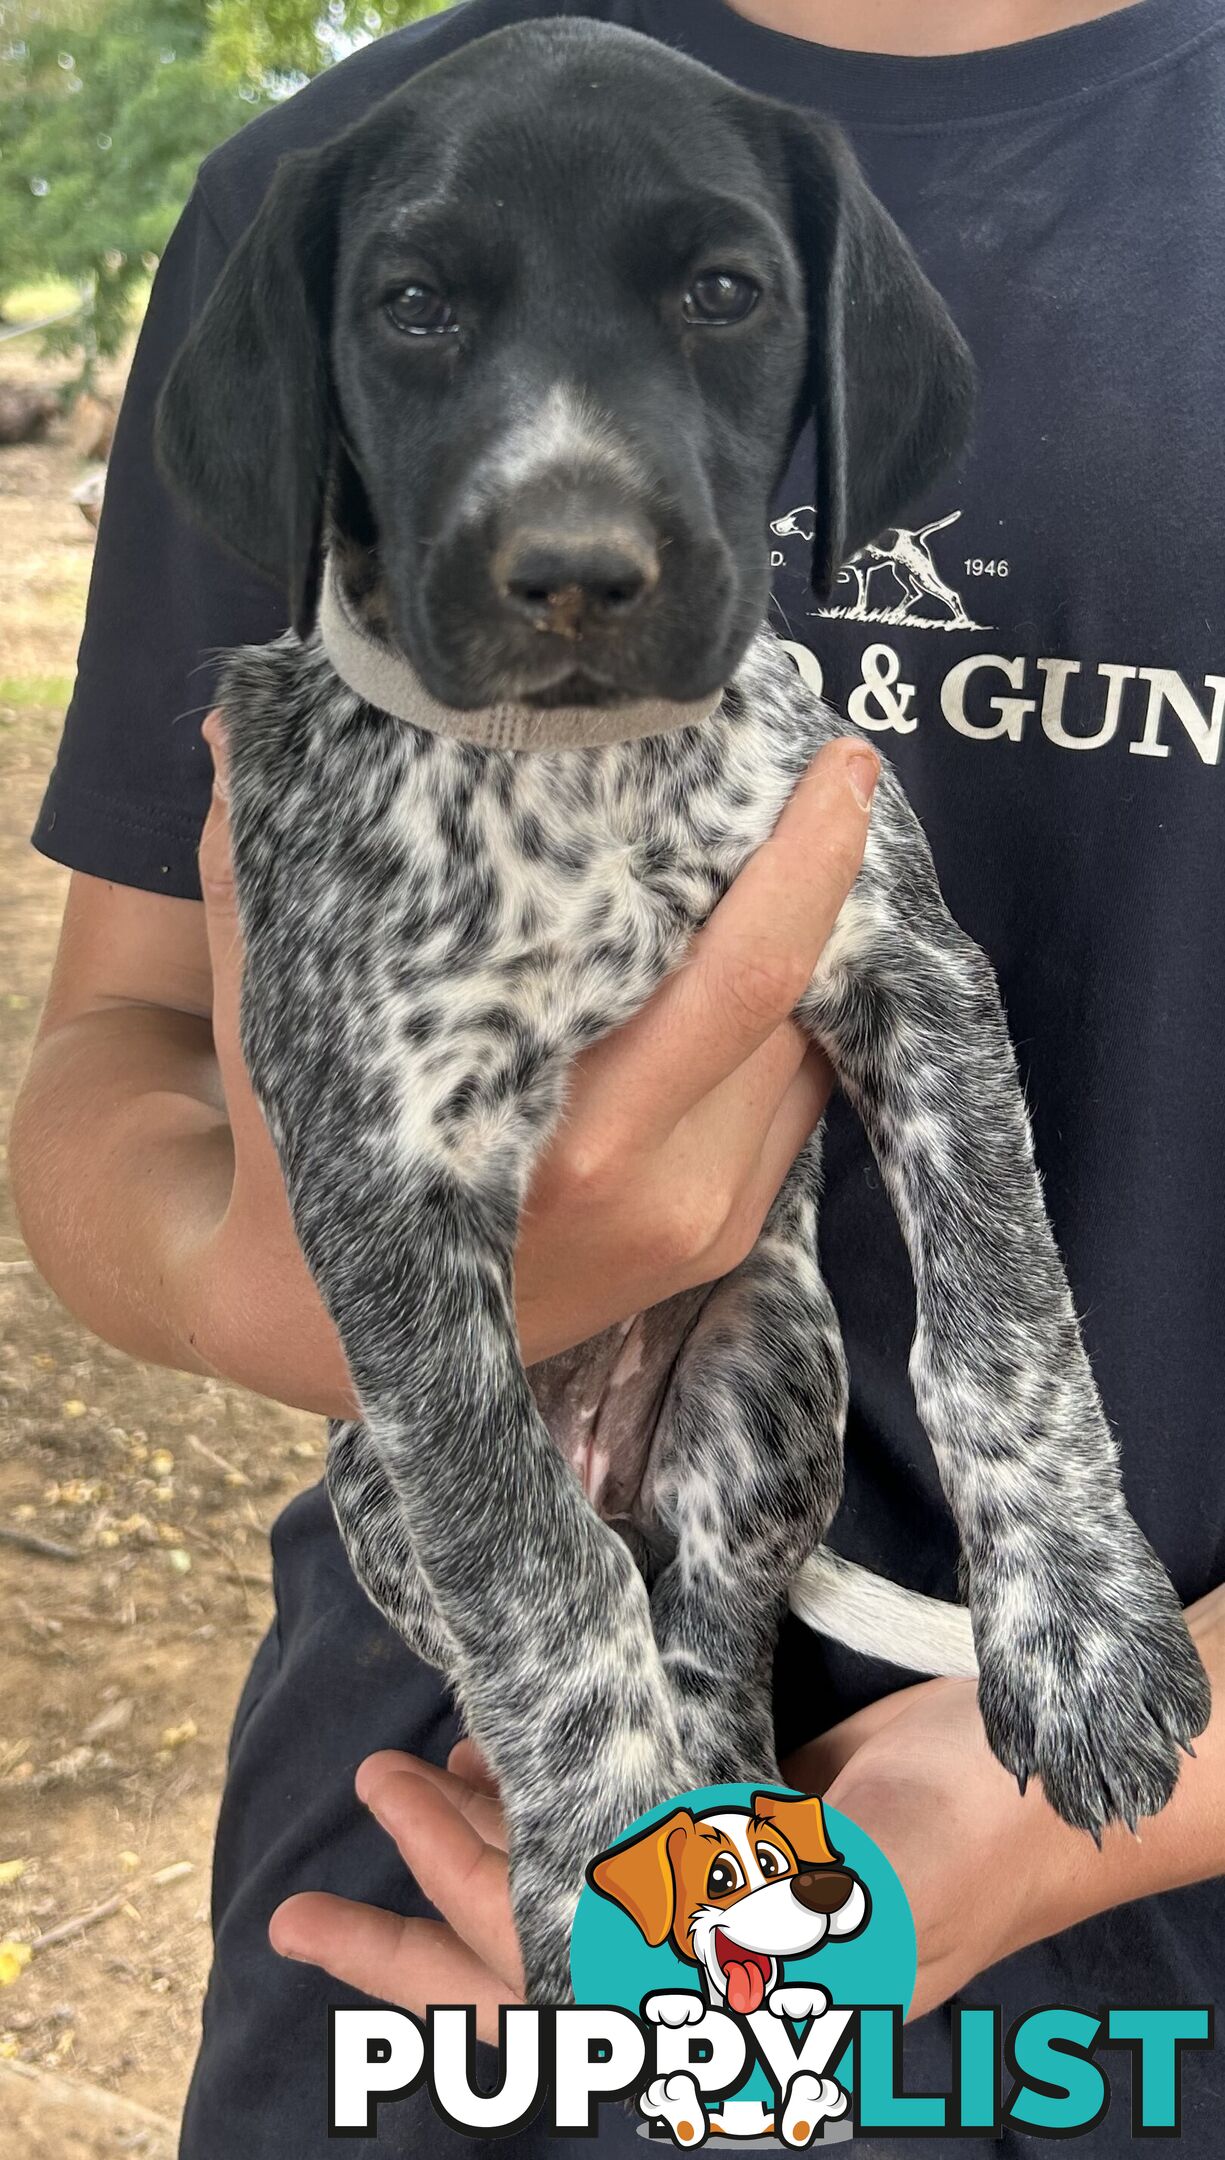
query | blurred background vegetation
(106,109)
(134,1503)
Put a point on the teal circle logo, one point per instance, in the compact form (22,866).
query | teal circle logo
(757,1903)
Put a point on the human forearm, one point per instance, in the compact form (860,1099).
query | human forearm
(1006,1871)
(152,1195)
(118,1154)
(124,1160)
(123,1169)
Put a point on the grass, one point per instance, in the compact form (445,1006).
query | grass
(46,693)
(29,303)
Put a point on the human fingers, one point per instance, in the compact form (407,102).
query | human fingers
(413,1963)
(467,1762)
(476,1800)
(753,960)
(465,1878)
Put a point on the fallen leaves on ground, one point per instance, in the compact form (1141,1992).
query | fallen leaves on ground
(14,1957)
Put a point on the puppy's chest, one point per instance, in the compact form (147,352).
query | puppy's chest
(435,931)
(446,902)
(572,878)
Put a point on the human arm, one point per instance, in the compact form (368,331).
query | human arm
(152,1198)
(986,1872)
(1002,1871)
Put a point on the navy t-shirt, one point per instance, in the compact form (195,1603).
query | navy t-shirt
(1041,651)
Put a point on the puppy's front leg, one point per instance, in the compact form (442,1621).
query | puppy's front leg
(374,1530)
(409,1051)
(1088,1676)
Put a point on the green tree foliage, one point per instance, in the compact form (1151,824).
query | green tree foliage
(108,106)
(274,39)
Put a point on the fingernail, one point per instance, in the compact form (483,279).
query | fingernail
(281,1936)
(863,772)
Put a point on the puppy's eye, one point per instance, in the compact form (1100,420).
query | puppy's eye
(724,1877)
(419,311)
(770,1861)
(720,296)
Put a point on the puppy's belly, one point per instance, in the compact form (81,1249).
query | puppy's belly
(603,1403)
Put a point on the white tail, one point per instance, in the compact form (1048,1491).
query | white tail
(880,1619)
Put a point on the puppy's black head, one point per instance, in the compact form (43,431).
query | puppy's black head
(533,342)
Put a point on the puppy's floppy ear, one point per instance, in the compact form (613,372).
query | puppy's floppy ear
(890,380)
(639,1876)
(245,421)
(801,1819)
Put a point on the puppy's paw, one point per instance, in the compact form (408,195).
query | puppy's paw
(798,2003)
(557,1824)
(678,2009)
(676,2102)
(810,2102)
(1093,1686)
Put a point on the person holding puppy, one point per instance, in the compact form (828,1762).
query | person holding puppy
(1041,666)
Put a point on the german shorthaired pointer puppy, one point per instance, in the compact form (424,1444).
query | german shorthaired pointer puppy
(498,385)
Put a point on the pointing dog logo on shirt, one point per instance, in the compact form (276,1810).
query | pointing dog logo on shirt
(736,1892)
(906,554)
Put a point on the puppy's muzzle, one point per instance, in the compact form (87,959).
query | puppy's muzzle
(822,1889)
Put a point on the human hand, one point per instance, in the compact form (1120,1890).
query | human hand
(447,1826)
(680,1128)
(678,1131)
(986,1872)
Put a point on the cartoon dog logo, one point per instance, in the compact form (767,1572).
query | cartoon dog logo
(736,1892)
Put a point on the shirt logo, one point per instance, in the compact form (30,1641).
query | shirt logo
(892,580)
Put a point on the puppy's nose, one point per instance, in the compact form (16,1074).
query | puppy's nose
(571,579)
(823,1889)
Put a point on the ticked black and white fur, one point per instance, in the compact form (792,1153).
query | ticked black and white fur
(434,929)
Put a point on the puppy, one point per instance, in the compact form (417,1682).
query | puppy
(736,1891)
(498,386)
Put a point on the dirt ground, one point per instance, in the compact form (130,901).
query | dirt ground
(121,1656)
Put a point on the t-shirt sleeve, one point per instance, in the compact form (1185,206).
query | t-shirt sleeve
(130,787)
